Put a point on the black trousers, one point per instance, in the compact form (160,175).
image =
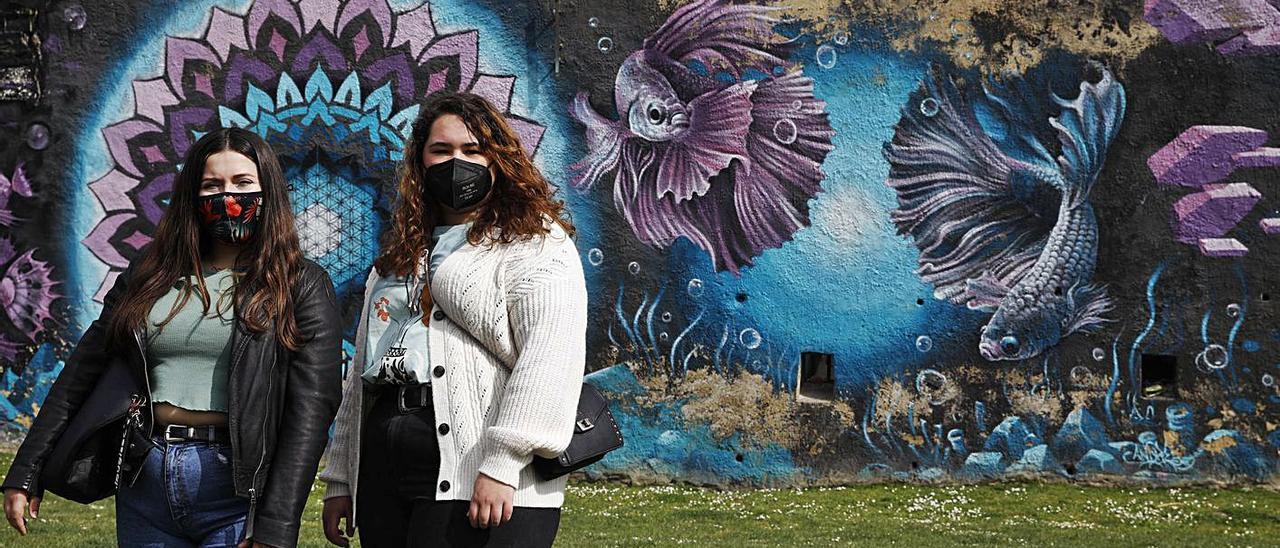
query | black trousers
(399,462)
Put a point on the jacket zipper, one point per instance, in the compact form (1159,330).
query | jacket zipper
(146,379)
(253,482)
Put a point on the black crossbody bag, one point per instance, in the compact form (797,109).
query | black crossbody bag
(595,434)
(103,444)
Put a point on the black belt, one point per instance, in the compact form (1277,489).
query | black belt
(410,398)
(210,434)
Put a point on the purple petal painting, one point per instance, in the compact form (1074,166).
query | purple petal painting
(333,86)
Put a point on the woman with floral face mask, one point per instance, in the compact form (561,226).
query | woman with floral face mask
(470,350)
(239,340)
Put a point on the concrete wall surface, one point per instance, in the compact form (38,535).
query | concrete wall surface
(824,241)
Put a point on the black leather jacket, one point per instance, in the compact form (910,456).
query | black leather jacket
(281,405)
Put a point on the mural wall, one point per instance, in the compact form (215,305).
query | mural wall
(825,241)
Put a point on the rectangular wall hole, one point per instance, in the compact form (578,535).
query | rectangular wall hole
(1159,373)
(817,380)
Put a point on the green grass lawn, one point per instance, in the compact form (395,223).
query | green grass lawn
(881,515)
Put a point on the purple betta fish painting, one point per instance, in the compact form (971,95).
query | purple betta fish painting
(701,148)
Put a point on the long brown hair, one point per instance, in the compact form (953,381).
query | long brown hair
(269,264)
(517,208)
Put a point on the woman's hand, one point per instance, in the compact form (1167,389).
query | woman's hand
(491,503)
(335,510)
(16,506)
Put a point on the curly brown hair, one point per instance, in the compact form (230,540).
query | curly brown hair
(518,207)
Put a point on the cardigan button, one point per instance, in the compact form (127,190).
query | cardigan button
(439,315)
(438,371)
(443,429)
(444,487)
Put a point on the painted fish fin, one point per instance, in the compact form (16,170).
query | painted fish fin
(33,293)
(789,140)
(658,220)
(1014,112)
(722,35)
(958,195)
(984,292)
(604,143)
(1087,306)
(7,217)
(20,183)
(717,135)
(1086,126)
(7,251)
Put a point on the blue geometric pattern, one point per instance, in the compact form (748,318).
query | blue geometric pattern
(337,223)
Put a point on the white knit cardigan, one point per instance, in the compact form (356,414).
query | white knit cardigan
(512,342)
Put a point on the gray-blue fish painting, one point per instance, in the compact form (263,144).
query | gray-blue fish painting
(719,138)
(1000,224)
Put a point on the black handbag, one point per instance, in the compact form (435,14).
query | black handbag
(595,433)
(103,443)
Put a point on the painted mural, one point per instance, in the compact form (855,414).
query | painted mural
(719,138)
(824,242)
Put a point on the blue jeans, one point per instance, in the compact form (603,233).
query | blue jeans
(184,496)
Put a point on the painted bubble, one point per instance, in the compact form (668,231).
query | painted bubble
(1233,310)
(633,268)
(924,343)
(604,44)
(825,56)
(1099,354)
(785,131)
(957,29)
(595,256)
(929,107)
(663,336)
(1268,380)
(38,136)
(1081,376)
(74,17)
(749,338)
(931,384)
(695,288)
(842,38)
(666,317)
(1213,356)
(593,22)
(797,104)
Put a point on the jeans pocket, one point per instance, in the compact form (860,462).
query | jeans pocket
(222,453)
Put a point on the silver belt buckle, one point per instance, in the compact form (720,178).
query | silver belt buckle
(584,425)
(400,396)
(170,437)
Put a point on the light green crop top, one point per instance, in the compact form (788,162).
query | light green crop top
(190,359)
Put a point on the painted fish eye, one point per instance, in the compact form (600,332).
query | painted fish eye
(1009,344)
(656,113)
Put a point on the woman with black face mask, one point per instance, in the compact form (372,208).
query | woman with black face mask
(470,349)
(235,340)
